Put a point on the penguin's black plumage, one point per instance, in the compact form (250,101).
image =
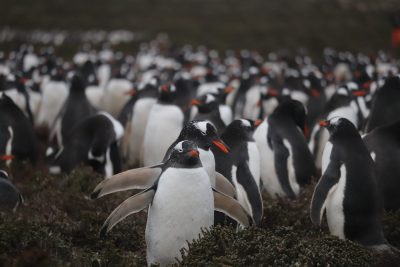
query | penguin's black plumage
(238,168)
(10,197)
(17,128)
(383,144)
(386,104)
(348,187)
(208,109)
(287,127)
(93,142)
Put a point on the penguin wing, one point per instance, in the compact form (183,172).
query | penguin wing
(140,178)
(223,185)
(132,205)
(281,155)
(327,183)
(232,208)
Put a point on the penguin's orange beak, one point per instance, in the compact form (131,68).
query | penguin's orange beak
(164,88)
(6,157)
(323,123)
(306,131)
(131,92)
(257,123)
(221,146)
(194,153)
(359,92)
(273,92)
(195,102)
(228,89)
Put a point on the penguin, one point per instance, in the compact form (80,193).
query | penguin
(136,113)
(386,104)
(286,161)
(92,141)
(204,134)
(347,190)
(10,197)
(208,109)
(164,125)
(383,144)
(242,166)
(18,139)
(76,107)
(180,202)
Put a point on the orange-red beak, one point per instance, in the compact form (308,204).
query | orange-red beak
(194,153)
(257,123)
(323,123)
(359,93)
(221,146)
(228,89)
(273,92)
(164,88)
(195,102)
(315,93)
(6,157)
(306,131)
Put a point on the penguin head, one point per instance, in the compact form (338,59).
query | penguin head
(242,129)
(3,175)
(167,92)
(339,126)
(296,111)
(204,134)
(206,103)
(78,83)
(185,153)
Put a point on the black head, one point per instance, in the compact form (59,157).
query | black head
(242,129)
(204,134)
(167,92)
(206,103)
(340,127)
(294,110)
(185,154)
(3,175)
(78,83)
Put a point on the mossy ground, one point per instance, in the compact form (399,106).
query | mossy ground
(59,226)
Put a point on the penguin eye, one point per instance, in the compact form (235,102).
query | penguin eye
(180,150)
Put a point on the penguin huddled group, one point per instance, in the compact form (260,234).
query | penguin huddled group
(206,136)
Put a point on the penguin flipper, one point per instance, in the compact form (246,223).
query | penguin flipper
(232,208)
(281,155)
(140,178)
(326,183)
(132,205)
(223,185)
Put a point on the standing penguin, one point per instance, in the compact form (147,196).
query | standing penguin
(164,124)
(383,144)
(93,141)
(76,108)
(10,198)
(286,161)
(242,166)
(348,188)
(208,109)
(180,198)
(17,138)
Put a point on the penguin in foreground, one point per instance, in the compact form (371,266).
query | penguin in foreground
(164,124)
(180,202)
(10,198)
(348,189)
(242,166)
(383,144)
(286,161)
(93,142)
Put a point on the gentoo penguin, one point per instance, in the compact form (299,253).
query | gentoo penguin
(386,104)
(75,108)
(208,109)
(180,203)
(92,141)
(242,166)
(204,134)
(10,198)
(164,125)
(348,188)
(17,137)
(383,144)
(286,161)
(136,113)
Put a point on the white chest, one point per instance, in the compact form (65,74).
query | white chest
(208,161)
(254,162)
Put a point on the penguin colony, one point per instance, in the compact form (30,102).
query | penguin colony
(202,135)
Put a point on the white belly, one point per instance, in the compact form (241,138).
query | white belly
(115,95)
(334,206)
(95,95)
(291,171)
(139,120)
(226,114)
(54,95)
(182,205)
(254,162)
(208,161)
(163,128)
(251,110)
